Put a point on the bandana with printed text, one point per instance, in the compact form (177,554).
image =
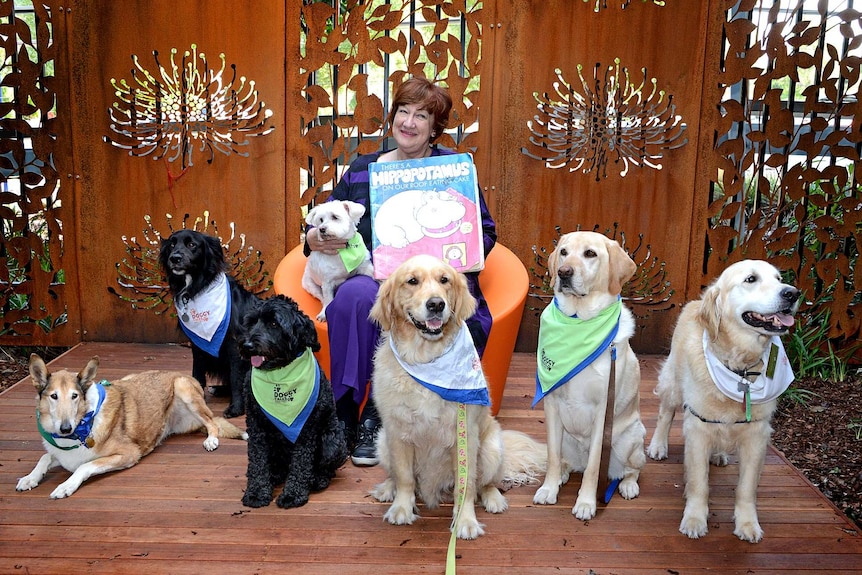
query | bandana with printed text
(205,318)
(287,395)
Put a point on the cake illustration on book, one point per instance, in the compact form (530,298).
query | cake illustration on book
(426,206)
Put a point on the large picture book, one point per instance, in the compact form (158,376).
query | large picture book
(426,206)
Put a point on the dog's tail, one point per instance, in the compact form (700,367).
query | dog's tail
(524,458)
(229,430)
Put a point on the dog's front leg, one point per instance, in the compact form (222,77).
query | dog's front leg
(547,493)
(91,468)
(585,505)
(696,462)
(401,456)
(32,479)
(300,472)
(752,452)
(258,489)
(327,293)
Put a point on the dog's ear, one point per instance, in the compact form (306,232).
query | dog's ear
(552,264)
(213,251)
(354,211)
(298,327)
(39,373)
(464,305)
(87,376)
(621,267)
(710,311)
(383,311)
(309,219)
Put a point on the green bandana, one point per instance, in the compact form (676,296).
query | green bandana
(354,253)
(287,395)
(569,344)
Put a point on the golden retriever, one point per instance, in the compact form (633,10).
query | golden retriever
(422,308)
(588,271)
(736,325)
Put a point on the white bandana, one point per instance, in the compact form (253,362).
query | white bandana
(205,317)
(456,375)
(776,377)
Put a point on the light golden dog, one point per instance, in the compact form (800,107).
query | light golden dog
(422,308)
(588,271)
(91,428)
(731,330)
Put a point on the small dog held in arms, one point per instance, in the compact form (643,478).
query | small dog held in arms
(295,437)
(325,272)
(210,305)
(91,427)
(432,398)
(726,370)
(583,339)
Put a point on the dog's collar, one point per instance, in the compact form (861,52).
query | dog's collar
(705,420)
(82,432)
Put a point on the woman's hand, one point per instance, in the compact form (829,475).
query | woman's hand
(329,247)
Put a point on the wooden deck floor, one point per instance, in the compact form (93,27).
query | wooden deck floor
(179,510)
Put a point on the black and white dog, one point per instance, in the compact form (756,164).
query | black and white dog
(295,437)
(210,306)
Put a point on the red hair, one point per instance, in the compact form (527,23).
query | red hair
(429,97)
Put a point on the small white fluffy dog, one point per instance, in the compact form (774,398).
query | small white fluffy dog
(724,342)
(588,271)
(422,308)
(325,272)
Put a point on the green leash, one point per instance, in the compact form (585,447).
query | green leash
(461,482)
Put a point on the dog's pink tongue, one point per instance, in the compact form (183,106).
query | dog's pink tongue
(784,319)
(434,323)
(257,360)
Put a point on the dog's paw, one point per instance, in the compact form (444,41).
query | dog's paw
(585,508)
(255,501)
(399,515)
(321,317)
(749,531)
(493,501)
(211,443)
(719,459)
(657,450)
(291,500)
(693,527)
(26,483)
(629,488)
(233,411)
(320,482)
(546,495)
(64,490)
(384,492)
(469,529)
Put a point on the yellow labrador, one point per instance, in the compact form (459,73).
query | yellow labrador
(422,308)
(722,344)
(588,271)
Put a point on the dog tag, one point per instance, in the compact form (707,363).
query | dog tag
(745,387)
(90,442)
(185,317)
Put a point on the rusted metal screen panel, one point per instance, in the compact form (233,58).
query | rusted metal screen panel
(151,76)
(642,193)
(37,247)
(788,144)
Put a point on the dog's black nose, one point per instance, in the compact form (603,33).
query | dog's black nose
(565,272)
(65,428)
(435,305)
(790,294)
(175,258)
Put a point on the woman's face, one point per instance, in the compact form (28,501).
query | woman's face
(411,129)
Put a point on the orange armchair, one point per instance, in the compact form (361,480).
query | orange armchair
(504,283)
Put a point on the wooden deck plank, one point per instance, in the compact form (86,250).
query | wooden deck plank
(179,511)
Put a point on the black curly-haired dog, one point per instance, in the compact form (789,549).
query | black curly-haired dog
(192,261)
(279,340)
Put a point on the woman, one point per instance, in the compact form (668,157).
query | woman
(419,114)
